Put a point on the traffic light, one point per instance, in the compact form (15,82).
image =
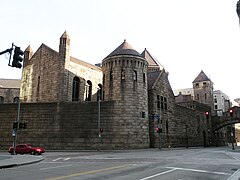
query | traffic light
(22,125)
(158,130)
(17,57)
(231,112)
(101,130)
(15,125)
(143,114)
(207,114)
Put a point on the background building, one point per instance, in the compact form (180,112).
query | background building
(9,90)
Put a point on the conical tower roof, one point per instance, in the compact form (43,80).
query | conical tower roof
(201,77)
(124,49)
(65,35)
(29,49)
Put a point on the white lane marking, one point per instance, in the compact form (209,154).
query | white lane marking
(66,159)
(55,167)
(198,170)
(159,174)
(56,159)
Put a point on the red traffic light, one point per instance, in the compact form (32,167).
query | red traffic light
(231,112)
(101,130)
(207,114)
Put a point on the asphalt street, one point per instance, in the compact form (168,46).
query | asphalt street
(167,164)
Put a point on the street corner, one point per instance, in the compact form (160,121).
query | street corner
(8,161)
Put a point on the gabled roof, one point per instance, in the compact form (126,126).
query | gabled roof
(10,83)
(201,77)
(124,49)
(83,63)
(152,61)
(152,77)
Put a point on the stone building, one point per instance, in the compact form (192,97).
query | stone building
(59,102)
(9,90)
(50,76)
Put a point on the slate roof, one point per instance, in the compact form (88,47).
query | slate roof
(124,49)
(201,77)
(152,61)
(152,77)
(10,83)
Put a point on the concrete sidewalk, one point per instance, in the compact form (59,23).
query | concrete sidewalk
(7,161)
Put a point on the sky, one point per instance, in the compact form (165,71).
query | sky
(185,36)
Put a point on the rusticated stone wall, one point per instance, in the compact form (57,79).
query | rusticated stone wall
(74,126)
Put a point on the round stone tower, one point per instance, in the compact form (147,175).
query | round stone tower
(125,82)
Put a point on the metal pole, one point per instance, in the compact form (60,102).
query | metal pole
(160,131)
(15,136)
(99,125)
(233,148)
(186,136)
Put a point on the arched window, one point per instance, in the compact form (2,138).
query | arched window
(89,91)
(15,99)
(75,89)
(1,99)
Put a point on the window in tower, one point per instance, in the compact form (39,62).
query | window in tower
(103,79)
(75,89)
(135,75)
(63,40)
(205,96)
(123,75)
(197,84)
(144,78)
(111,76)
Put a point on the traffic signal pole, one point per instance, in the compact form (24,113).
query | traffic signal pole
(14,134)
(8,51)
(17,57)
